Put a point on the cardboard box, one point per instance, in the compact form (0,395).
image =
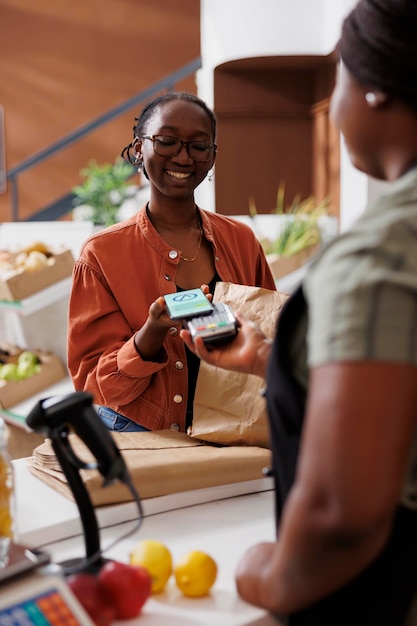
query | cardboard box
(20,441)
(17,285)
(160,463)
(52,370)
(283,265)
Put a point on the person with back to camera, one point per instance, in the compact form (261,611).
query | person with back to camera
(122,345)
(342,371)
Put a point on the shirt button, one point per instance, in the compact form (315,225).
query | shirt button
(178,398)
(175,427)
(173,331)
(173,254)
(167,277)
(179,365)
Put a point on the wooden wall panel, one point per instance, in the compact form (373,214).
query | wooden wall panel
(62,63)
(274,129)
(256,154)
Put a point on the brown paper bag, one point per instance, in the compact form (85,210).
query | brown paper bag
(228,406)
(160,463)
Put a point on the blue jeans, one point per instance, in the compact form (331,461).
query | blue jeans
(118,423)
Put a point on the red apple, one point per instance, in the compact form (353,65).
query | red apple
(128,586)
(92,597)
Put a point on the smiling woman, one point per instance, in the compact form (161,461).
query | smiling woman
(122,345)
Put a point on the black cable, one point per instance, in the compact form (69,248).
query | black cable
(87,563)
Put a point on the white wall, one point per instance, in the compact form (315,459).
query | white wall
(233,29)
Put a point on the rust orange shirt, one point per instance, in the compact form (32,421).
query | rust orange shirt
(120,271)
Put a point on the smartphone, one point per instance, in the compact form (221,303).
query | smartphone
(217,327)
(184,305)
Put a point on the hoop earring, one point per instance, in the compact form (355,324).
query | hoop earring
(138,162)
(210,175)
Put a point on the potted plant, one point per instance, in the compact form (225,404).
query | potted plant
(104,190)
(297,233)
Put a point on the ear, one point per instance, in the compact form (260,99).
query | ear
(137,146)
(375,99)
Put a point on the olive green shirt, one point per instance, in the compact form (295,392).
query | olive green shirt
(361,294)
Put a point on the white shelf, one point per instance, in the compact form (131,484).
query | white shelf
(38,300)
(16,415)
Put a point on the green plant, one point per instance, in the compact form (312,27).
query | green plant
(104,189)
(301,229)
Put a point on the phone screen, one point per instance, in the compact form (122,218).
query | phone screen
(186,304)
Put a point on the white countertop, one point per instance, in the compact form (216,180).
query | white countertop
(221,521)
(46,516)
(224,529)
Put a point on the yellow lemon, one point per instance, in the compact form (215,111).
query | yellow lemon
(195,573)
(156,558)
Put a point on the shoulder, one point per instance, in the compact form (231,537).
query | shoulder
(113,237)
(226,223)
(379,247)
(362,294)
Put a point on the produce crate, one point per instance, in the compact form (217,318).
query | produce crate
(21,442)
(17,284)
(283,265)
(51,371)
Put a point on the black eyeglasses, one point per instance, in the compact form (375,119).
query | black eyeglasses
(170,146)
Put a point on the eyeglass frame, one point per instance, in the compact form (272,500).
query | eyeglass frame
(212,145)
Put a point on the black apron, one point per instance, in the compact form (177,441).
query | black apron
(381,595)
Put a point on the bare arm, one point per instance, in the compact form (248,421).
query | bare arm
(360,423)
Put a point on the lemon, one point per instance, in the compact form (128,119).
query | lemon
(156,558)
(195,573)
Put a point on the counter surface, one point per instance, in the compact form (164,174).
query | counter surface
(224,528)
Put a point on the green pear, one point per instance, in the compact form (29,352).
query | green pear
(9,372)
(28,357)
(25,369)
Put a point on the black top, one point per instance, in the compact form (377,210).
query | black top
(193,365)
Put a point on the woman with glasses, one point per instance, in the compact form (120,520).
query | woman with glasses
(122,345)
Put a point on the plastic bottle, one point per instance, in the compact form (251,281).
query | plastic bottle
(6,497)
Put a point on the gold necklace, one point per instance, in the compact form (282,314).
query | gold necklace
(198,248)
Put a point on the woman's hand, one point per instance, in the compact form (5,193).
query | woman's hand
(158,314)
(149,339)
(251,569)
(247,353)
(206,290)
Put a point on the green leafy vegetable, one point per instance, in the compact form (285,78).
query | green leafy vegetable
(302,228)
(104,189)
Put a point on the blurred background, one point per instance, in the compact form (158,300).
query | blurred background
(65,62)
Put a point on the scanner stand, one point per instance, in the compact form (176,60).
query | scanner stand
(54,417)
